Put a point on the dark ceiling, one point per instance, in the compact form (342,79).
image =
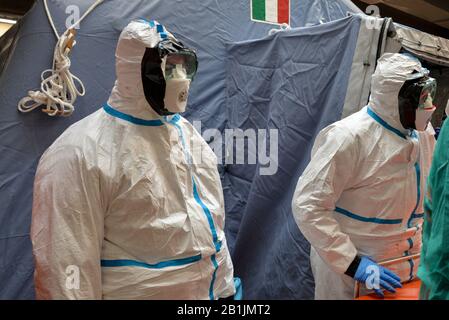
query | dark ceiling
(431,16)
(15,7)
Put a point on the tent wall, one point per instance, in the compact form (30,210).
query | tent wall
(369,46)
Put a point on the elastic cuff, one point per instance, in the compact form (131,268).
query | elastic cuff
(353,267)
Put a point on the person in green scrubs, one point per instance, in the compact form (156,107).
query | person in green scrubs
(434,266)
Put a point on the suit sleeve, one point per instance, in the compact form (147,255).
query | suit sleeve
(329,173)
(67,226)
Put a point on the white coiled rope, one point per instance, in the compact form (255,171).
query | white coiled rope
(58,88)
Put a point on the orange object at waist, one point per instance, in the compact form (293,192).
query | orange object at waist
(409,291)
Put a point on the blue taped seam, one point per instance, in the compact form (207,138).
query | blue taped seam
(183,141)
(418,193)
(217,244)
(414,215)
(238,289)
(410,242)
(208,214)
(141,122)
(161,30)
(150,22)
(214,275)
(412,265)
(365,219)
(160,265)
(175,119)
(412,268)
(385,124)
(417,216)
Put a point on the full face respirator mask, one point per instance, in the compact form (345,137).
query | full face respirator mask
(416,102)
(167,72)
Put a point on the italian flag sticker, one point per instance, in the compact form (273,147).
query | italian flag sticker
(271,11)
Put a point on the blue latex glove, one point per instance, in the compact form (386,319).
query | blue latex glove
(387,279)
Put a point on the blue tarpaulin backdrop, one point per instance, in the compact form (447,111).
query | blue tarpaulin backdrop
(295,82)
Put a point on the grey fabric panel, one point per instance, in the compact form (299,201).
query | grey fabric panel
(294,82)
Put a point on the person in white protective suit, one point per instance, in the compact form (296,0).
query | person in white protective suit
(124,208)
(360,200)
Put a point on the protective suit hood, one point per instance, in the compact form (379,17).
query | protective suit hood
(128,94)
(392,72)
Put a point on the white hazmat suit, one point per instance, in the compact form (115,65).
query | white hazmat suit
(130,202)
(362,192)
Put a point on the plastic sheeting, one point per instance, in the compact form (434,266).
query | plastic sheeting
(206,25)
(308,71)
(425,46)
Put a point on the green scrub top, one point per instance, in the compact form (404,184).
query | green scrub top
(434,266)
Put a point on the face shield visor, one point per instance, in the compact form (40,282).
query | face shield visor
(416,102)
(180,64)
(167,72)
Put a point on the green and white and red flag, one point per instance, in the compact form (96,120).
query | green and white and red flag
(271,11)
